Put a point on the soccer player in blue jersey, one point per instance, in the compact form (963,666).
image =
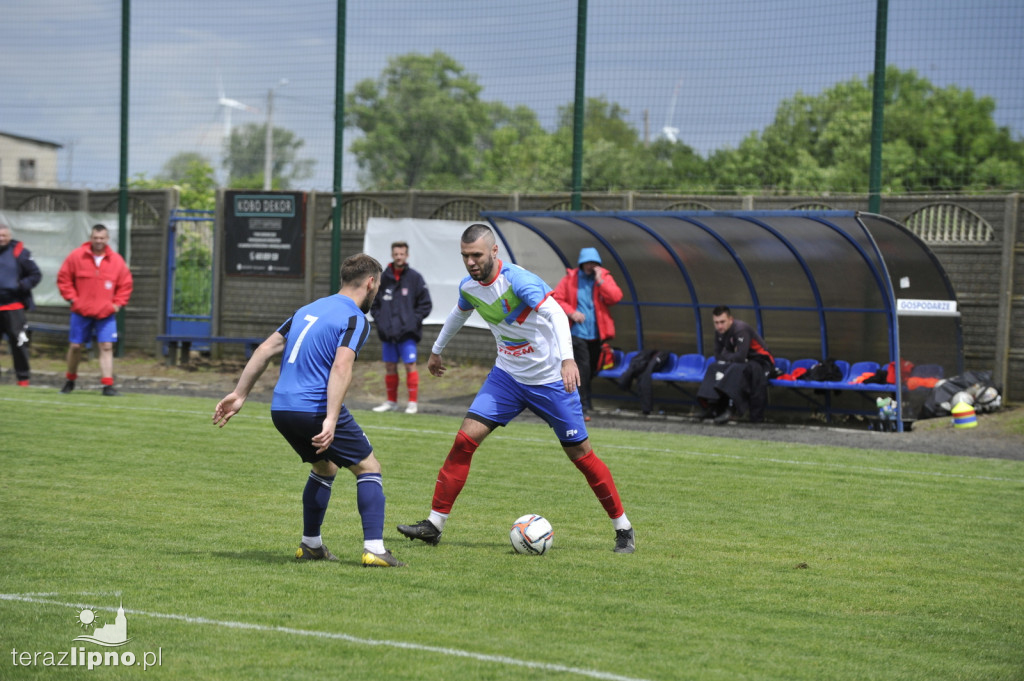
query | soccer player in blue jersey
(534,369)
(319,345)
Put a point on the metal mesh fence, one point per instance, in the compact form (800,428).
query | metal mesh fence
(711,76)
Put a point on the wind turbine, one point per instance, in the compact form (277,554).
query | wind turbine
(668,131)
(228,104)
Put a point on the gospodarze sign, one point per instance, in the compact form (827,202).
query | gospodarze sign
(264,233)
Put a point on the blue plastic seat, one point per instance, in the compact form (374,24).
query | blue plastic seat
(684,368)
(844,367)
(621,364)
(861,368)
(802,364)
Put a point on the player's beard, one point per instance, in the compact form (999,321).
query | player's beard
(485,270)
(368,301)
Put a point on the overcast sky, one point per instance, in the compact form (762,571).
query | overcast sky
(732,61)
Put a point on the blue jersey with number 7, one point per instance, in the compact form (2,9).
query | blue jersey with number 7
(314,334)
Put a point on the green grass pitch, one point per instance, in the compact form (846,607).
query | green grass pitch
(754,560)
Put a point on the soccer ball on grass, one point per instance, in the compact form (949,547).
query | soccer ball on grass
(531,534)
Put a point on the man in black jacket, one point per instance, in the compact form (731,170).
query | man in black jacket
(401,305)
(738,379)
(19,274)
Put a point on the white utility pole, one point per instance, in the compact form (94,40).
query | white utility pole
(268,146)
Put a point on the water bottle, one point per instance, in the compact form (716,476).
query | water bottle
(886,413)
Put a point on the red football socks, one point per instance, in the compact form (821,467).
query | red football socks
(453,474)
(412,380)
(600,480)
(391,383)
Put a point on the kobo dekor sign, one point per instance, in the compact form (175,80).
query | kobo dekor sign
(264,233)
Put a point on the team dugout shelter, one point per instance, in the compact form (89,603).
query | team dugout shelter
(854,287)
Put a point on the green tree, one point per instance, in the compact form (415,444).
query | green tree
(520,155)
(422,121)
(245,158)
(935,139)
(191,174)
(616,159)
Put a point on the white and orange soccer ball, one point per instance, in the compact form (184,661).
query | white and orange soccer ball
(531,534)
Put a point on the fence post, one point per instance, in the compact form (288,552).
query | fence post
(1004,328)
(309,248)
(878,109)
(579,107)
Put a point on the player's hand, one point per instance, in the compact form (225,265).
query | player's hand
(324,439)
(577,317)
(598,276)
(570,375)
(227,408)
(435,365)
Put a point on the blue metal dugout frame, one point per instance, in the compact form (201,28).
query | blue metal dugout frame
(864,254)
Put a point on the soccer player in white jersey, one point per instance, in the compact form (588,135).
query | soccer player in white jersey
(319,345)
(534,368)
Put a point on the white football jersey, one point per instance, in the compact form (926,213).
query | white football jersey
(526,341)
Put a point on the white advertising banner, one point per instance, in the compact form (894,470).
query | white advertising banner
(50,237)
(434,251)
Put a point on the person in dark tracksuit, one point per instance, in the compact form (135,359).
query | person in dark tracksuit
(399,309)
(19,274)
(738,380)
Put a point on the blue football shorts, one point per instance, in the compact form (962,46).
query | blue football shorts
(81,329)
(350,444)
(403,351)
(501,398)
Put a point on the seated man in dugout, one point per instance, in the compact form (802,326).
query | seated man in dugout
(737,381)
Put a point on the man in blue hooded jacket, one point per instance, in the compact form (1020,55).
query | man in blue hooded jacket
(585,293)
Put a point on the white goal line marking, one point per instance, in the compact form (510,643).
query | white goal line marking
(499,436)
(248,626)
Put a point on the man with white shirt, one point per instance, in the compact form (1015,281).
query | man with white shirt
(534,369)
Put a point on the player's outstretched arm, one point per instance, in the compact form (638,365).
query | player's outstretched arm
(550,310)
(254,368)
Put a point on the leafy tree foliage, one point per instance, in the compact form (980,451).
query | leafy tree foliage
(423,124)
(244,158)
(191,174)
(935,139)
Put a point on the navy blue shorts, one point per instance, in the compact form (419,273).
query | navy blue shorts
(350,444)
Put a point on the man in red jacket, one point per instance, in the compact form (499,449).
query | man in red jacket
(97,282)
(586,293)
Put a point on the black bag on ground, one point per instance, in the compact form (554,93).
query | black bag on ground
(972,382)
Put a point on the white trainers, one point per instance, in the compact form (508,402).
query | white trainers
(387,406)
(411,408)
